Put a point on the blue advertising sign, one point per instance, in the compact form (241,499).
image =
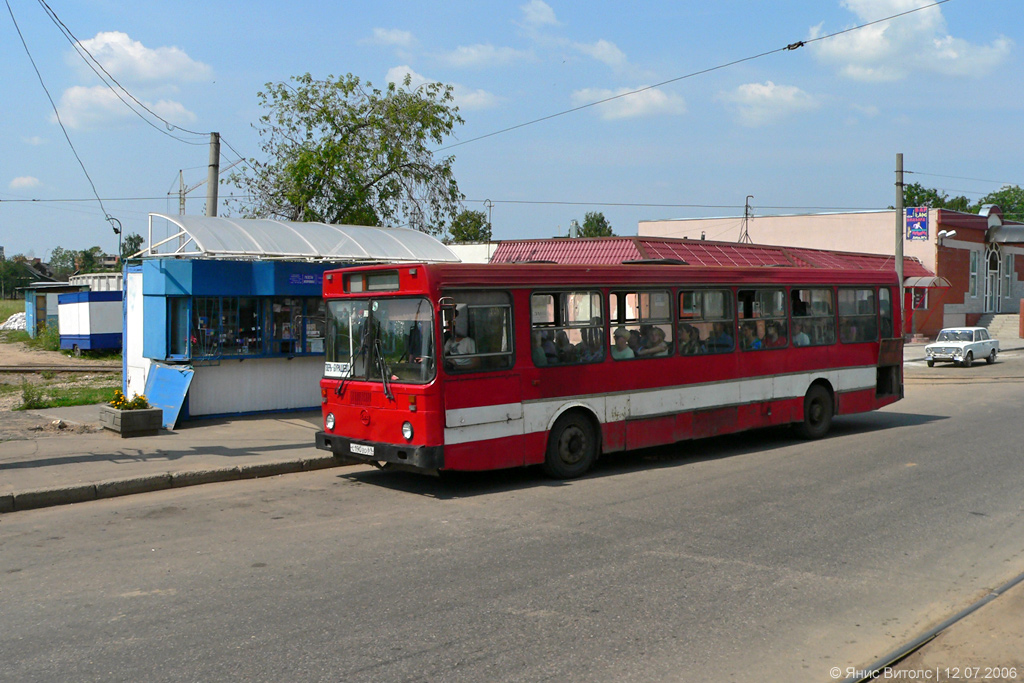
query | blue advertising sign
(917,223)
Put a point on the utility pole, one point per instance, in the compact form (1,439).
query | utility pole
(213,176)
(900,222)
(744,235)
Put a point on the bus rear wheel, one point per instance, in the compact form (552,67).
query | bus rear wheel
(817,413)
(572,447)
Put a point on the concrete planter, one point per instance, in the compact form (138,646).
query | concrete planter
(145,422)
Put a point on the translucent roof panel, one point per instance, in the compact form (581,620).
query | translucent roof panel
(266,238)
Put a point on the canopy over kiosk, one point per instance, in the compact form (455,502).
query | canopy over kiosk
(264,238)
(213,292)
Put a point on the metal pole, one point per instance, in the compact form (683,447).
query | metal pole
(213,176)
(900,222)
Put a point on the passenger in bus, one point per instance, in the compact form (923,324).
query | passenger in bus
(566,351)
(800,337)
(460,344)
(772,338)
(540,359)
(591,348)
(749,341)
(654,343)
(689,340)
(719,341)
(620,348)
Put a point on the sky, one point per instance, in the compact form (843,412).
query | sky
(812,129)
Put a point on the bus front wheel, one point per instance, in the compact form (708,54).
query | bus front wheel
(817,413)
(572,447)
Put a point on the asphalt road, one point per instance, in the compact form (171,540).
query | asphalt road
(752,557)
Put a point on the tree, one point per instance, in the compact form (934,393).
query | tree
(1009,198)
(596,225)
(88,260)
(916,194)
(12,276)
(341,151)
(470,226)
(62,262)
(129,245)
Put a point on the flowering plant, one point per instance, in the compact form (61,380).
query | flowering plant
(121,402)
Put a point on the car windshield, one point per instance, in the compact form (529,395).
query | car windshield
(388,338)
(955,335)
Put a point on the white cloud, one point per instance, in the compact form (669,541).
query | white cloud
(24,183)
(652,102)
(758,104)
(539,13)
(481,55)
(391,36)
(604,51)
(465,98)
(35,141)
(896,49)
(130,61)
(82,107)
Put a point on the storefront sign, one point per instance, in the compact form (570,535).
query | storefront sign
(917,223)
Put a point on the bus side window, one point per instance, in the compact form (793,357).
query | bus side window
(813,317)
(705,322)
(858,317)
(480,338)
(644,321)
(567,328)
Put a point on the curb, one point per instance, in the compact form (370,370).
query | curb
(81,493)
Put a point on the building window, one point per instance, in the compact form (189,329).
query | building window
(973,288)
(567,328)
(1008,275)
(762,315)
(705,321)
(814,321)
(645,318)
(178,327)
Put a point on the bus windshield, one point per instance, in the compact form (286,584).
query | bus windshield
(375,339)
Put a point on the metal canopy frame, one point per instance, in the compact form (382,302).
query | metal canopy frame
(264,238)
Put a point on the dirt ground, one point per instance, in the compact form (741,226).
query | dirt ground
(21,425)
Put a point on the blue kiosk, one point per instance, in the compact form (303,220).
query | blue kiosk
(232,321)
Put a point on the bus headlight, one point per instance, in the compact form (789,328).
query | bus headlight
(330,421)
(407,430)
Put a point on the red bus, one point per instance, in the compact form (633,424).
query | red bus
(434,367)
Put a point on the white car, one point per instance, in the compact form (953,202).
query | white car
(962,346)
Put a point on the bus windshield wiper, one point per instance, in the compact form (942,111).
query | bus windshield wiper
(382,367)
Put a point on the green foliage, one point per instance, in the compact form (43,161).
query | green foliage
(341,151)
(62,262)
(1010,198)
(48,339)
(70,396)
(470,226)
(596,225)
(130,244)
(31,396)
(9,307)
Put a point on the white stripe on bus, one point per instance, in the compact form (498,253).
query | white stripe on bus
(515,419)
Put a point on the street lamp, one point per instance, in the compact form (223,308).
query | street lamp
(117,231)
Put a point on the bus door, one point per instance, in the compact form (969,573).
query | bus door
(483,396)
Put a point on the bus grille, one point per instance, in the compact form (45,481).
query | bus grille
(360,398)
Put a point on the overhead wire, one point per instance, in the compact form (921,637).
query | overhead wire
(792,46)
(93,63)
(110,219)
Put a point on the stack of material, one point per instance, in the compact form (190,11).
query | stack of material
(15,322)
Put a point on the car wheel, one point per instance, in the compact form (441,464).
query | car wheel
(931,363)
(817,413)
(991,357)
(572,447)
(969,359)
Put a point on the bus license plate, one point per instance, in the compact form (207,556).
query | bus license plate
(360,449)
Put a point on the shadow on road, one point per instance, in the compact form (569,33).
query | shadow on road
(456,485)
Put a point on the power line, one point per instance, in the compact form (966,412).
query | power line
(676,206)
(792,46)
(56,113)
(91,61)
(954,177)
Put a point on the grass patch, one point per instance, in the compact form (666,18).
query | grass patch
(9,307)
(15,336)
(70,396)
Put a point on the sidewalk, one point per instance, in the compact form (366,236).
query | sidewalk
(71,468)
